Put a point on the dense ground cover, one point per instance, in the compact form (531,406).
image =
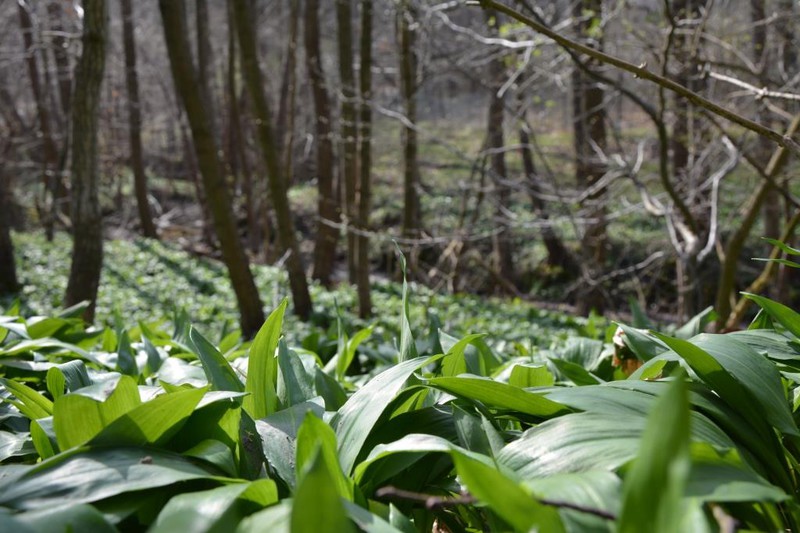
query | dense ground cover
(396,426)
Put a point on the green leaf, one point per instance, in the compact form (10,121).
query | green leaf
(44,437)
(151,423)
(408,349)
(219,509)
(344,360)
(524,376)
(262,367)
(779,312)
(505,497)
(782,245)
(455,362)
(654,487)
(315,436)
(126,359)
(317,503)
(744,379)
(86,475)
(368,522)
(298,385)
(275,519)
(56,382)
(68,517)
(80,416)
(31,403)
(358,415)
(15,445)
(218,371)
(575,373)
(500,395)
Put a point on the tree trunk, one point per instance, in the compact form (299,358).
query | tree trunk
(501,242)
(9,284)
(286,100)
(558,256)
(408,89)
(589,116)
(365,162)
(87,222)
(63,67)
(205,60)
(349,130)
(188,86)
(135,123)
(327,206)
(49,148)
(277,182)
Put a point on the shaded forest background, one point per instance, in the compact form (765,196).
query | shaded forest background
(322,135)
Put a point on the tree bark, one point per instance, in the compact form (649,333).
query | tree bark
(501,242)
(135,123)
(9,283)
(205,59)
(365,161)
(589,125)
(277,182)
(87,222)
(408,89)
(348,126)
(188,86)
(327,206)
(288,92)
(49,149)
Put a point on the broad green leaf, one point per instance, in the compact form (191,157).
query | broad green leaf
(79,416)
(506,497)
(278,435)
(317,502)
(456,361)
(219,372)
(643,345)
(151,423)
(262,367)
(56,382)
(74,374)
(574,372)
(44,437)
(344,360)
(525,376)
(15,445)
(216,453)
(315,436)
(31,403)
(297,384)
(86,475)
(219,509)
(368,522)
(358,415)
(500,395)
(275,519)
(61,518)
(126,358)
(330,390)
(697,324)
(654,487)
(745,379)
(596,490)
(785,316)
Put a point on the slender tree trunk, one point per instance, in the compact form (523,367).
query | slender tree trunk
(49,148)
(9,283)
(349,130)
(188,86)
(135,123)
(408,89)
(501,242)
(205,60)
(365,162)
(277,182)
(287,98)
(87,222)
(327,206)
(63,67)
(589,116)
(558,255)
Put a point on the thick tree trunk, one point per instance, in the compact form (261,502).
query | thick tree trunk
(188,86)
(348,129)
(277,182)
(589,116)
(87,222)
(408,89)
(501,242)
(365,161)
(50,175)
(205,60)
(135,123)
(63,67)
(9,283)
(327,206)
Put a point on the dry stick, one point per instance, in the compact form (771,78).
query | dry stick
(642,72)
(443,502)
(761,281)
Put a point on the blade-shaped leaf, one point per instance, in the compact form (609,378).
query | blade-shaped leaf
(317,503)
(219,372)
(262,367)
